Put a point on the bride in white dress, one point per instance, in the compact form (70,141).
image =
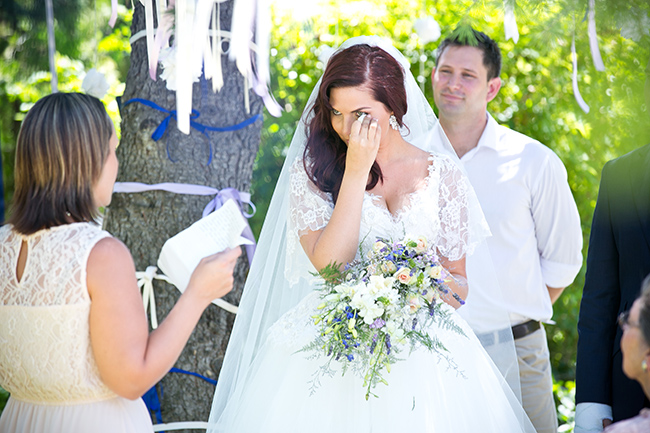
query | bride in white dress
(350,177)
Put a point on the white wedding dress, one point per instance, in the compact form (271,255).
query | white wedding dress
(425,392)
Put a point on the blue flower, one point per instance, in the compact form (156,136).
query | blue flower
(350,357)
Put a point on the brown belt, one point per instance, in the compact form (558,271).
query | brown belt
(526,328)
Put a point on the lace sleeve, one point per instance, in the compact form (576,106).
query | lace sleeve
(462,224)
(309,207)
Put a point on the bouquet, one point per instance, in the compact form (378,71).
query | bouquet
(379,306)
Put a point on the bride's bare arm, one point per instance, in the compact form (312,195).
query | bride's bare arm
(338,241)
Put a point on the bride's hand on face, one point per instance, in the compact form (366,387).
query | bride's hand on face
(363,145)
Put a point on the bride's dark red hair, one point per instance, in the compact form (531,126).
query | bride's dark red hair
(357,66)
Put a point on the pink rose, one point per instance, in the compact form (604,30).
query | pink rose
(403,275)
(421,244)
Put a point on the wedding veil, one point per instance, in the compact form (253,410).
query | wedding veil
(280,276)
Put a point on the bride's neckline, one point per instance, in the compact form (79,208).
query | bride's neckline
(375,199)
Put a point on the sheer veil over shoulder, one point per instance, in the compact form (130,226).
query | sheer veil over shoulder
(281,273)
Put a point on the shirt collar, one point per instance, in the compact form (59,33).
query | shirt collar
(488,138)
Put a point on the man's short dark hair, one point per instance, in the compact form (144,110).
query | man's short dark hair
(466,36)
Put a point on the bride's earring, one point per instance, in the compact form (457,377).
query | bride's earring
(644,366)
(392,121)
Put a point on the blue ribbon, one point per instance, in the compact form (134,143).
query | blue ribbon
(152,401)
(204,129)
(191,373)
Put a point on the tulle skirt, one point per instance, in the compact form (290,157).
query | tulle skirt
(425,393)
(115,415)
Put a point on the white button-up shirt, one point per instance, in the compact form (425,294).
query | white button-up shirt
(536,235)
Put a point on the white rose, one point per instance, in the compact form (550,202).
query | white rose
(434,272)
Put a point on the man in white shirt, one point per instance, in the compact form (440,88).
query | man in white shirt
(522,186)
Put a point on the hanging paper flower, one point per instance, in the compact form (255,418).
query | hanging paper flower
(427,29)
(168,63)
(95,84)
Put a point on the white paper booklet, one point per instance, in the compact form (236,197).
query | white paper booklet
(182,253)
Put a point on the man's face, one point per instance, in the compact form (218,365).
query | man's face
(460,84)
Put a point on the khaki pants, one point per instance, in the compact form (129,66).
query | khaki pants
(536,381)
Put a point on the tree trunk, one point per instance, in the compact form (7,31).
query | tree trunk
(144,221)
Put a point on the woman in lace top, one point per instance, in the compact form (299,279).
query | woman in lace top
(76,351)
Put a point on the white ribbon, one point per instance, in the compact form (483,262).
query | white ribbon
(250,19)
(161,7)
(176,188)
(51,45)
(593,37)
(145,282)
(576,91)
(113,18)
(190,425)
(217,73)
(509,21)
(183,42)
(201,53)
(148,15)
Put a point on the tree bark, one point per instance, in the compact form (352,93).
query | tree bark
(144,221)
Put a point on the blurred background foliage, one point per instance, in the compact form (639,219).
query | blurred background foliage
(84,40)
(536,98)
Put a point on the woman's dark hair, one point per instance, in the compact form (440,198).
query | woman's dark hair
(61,149)
(644,312)
(359,65)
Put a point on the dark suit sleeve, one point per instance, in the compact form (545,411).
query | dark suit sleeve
(600,303)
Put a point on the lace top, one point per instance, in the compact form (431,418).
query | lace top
(46,356)
(438,211)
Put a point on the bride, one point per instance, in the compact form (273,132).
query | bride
(351,176)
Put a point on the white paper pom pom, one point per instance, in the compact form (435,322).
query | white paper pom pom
(95,84)
(427,29)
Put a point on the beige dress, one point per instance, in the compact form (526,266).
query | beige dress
(46,360)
